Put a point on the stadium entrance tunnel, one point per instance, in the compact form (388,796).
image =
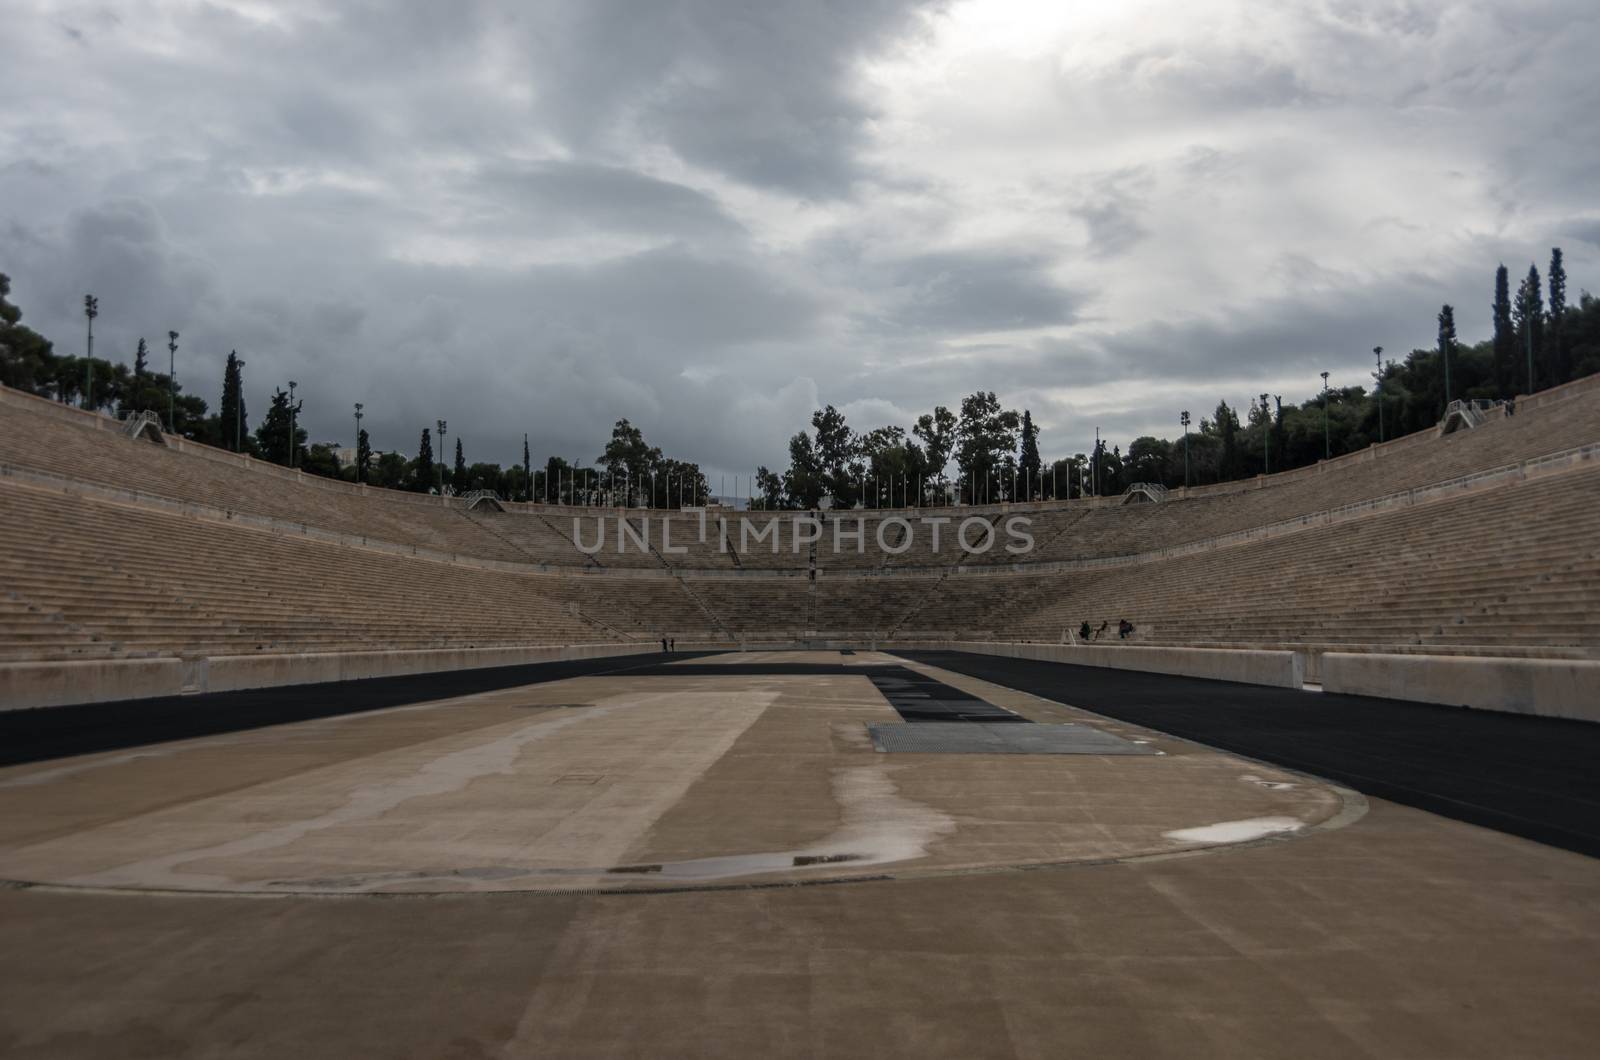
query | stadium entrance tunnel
(704,772)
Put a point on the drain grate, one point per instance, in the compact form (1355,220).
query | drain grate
(971,737)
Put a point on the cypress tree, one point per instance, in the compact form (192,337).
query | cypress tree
(1528,313)
(1505,342)
(1028,462)
(233,424)
(1555,340)
(527,471)
(459,479)
(141,363)
(422,472)
(1447,346)
(363,454)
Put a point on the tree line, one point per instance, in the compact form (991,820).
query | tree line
(1539,340)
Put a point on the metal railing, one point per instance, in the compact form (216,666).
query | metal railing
(1473,412)
(1154,490)
(134,423)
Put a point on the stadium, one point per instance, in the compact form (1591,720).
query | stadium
(228,681)
(691,528)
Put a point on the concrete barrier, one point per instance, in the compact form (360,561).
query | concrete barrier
(1557,688)
(55,684)
(225,673)
(1281,669)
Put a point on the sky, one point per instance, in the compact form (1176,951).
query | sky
(712,217)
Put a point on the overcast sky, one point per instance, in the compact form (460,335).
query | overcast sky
(711,216)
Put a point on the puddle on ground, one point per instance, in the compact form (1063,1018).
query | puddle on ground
(1236,831)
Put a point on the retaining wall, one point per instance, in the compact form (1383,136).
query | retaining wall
(58,684)
(1281,669)
(1557,688)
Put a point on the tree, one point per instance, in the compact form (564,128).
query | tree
(1149,460)
(986,440)
(27,361)
(389,471)
(422,467)
(803,483)
(1447,348)
(1028,462)
(1555,341)
(1227,429)
(1505,339)
(629,460)
(937,431)
(363,453)
(141,361)
(770,485)
(233,424)
(459,477)
(837,452)
(320,460)
(1528,314)
(272,437)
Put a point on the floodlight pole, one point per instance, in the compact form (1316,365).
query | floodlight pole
(238,411)
(91,309)
(442,425)
(358,443)
(1327,438)
(292,446)
(1097,461)
(172,381)
(1266,437)
(1377,352)
(1183,418)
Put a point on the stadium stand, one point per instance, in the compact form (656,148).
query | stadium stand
(1481,541)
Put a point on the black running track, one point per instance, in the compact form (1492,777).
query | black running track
(1534,777)
(58,732)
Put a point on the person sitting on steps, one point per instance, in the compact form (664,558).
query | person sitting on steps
(1083,630)
(1124,627)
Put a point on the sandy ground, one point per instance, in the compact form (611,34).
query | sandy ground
(447,879)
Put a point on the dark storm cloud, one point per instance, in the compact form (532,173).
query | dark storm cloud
(764,93)
(956,292)
(569,196)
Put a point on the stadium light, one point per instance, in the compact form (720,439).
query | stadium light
(172,381)
(1183,418)
(1377,351)
(1327,439)
(440,460)
(292,446)
(358,443)
(238,412)
(91,309)
(1266,437)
